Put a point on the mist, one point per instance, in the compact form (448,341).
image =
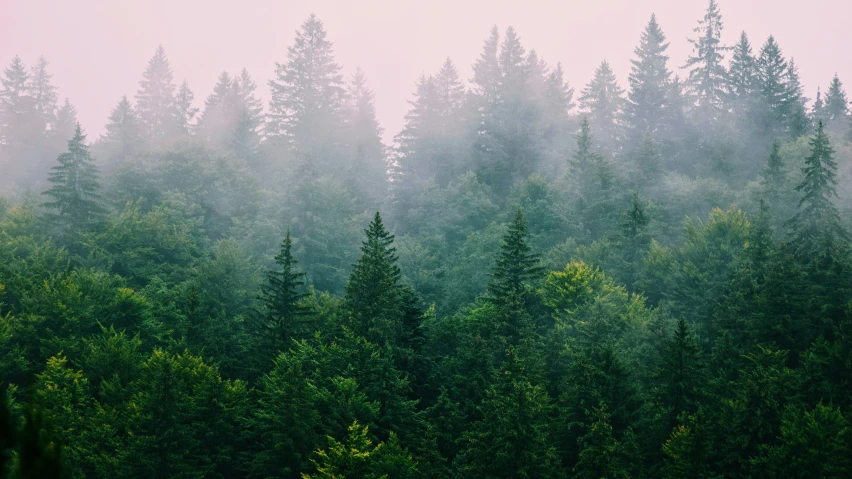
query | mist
(438,240)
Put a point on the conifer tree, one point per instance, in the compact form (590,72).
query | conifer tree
(367,172)
(836,105)
(647,105)
(634,240)
(516,267)
(487,75)
(818,110)
(774,175)
(679,375)
(64,125)
(43,92)
(374,291)
(21,124)
(245,141)
(816,228)
(122,138)
(307,96)
(283,313)
(776,97)
(601,455)
(602,99)
(155,99)
(213,123)
(74,197)
(707,76)
(742,81)
(184,111)
(794,109)
(592,180)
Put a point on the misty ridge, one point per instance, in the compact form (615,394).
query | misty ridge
(641,277)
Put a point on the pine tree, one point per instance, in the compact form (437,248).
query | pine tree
(601,455)
(818,110)
(742,81)
(245,141)
(707,76)
(155,100)
(602,99)
(43,92)
(123,138)
(367,173)
(214,121)
(307,96)
(516,267)
(592,181)
(816,228)
(283,314)
(794,109)
(374,291)
(836,105)
(680,375)
(64,125)
(650,79)
(21,124)
(74,196)
(774,175)
(775,95)
(634,241)
(184,111)
(487,75)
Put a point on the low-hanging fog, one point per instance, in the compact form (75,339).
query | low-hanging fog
(443,240)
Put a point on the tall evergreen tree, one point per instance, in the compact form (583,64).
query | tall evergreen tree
(602,99)
(707,75)
(64,125)
(21,124)
(776,98)
(43,92)
(155,99)
(836,106)
(283,314)
(368,170)
(592,181)
(122,138)
(742,73)
(374,290)
(307,96)
(515,271)
(184,111)
(75,196)
(487,75)
(647,103)
(795,109)
(816,228)
(245,140)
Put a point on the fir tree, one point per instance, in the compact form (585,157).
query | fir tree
(283,315)
(307,97)
(65,125)
(647,101)
(818,110)
(602,99)
(634,240)
(184,111)
(707,76)
(215,120)
(836,105)
(816,228)
(122,138)
(592,180)
(487,75)
(74,196)
(374,290)
(742,81)
(516,267)
(245,140)
(679,375)
(21,124)
(367,175)
(155,99)
(774,175)
(43,92)
(794,109)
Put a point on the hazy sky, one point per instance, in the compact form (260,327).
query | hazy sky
(98,48)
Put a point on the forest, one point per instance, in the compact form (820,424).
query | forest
(647,277)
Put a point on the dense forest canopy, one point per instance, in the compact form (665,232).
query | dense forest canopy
(639,277)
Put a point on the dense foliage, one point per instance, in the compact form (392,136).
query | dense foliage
(656,282)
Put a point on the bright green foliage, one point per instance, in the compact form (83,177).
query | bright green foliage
(74,197)
(356,457)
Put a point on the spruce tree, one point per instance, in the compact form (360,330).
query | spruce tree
(367,177)
(74,197)
(647,105)
(487,75)
(155,100)
(21,124)
(773,114)
(283,314)
(184,111)
(795,111)
(374,290)
(592,179)
(602,99)
(214,121)
(774,175)
(43,92)
(245,140)
(836,106)
(516,267)
(816,229)
(818,110)
(307,96)
(122,138)
(633,241)
(742,80)
(64,125)
(680,375)
(707,75)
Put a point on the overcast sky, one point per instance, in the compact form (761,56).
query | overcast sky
(97,49)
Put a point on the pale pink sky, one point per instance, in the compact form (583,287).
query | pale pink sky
(98,48)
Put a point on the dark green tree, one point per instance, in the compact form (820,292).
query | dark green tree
(707,75)
(75,195)
(816,229)
(516,266)
(647,105)
(602,99)
(284,314)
